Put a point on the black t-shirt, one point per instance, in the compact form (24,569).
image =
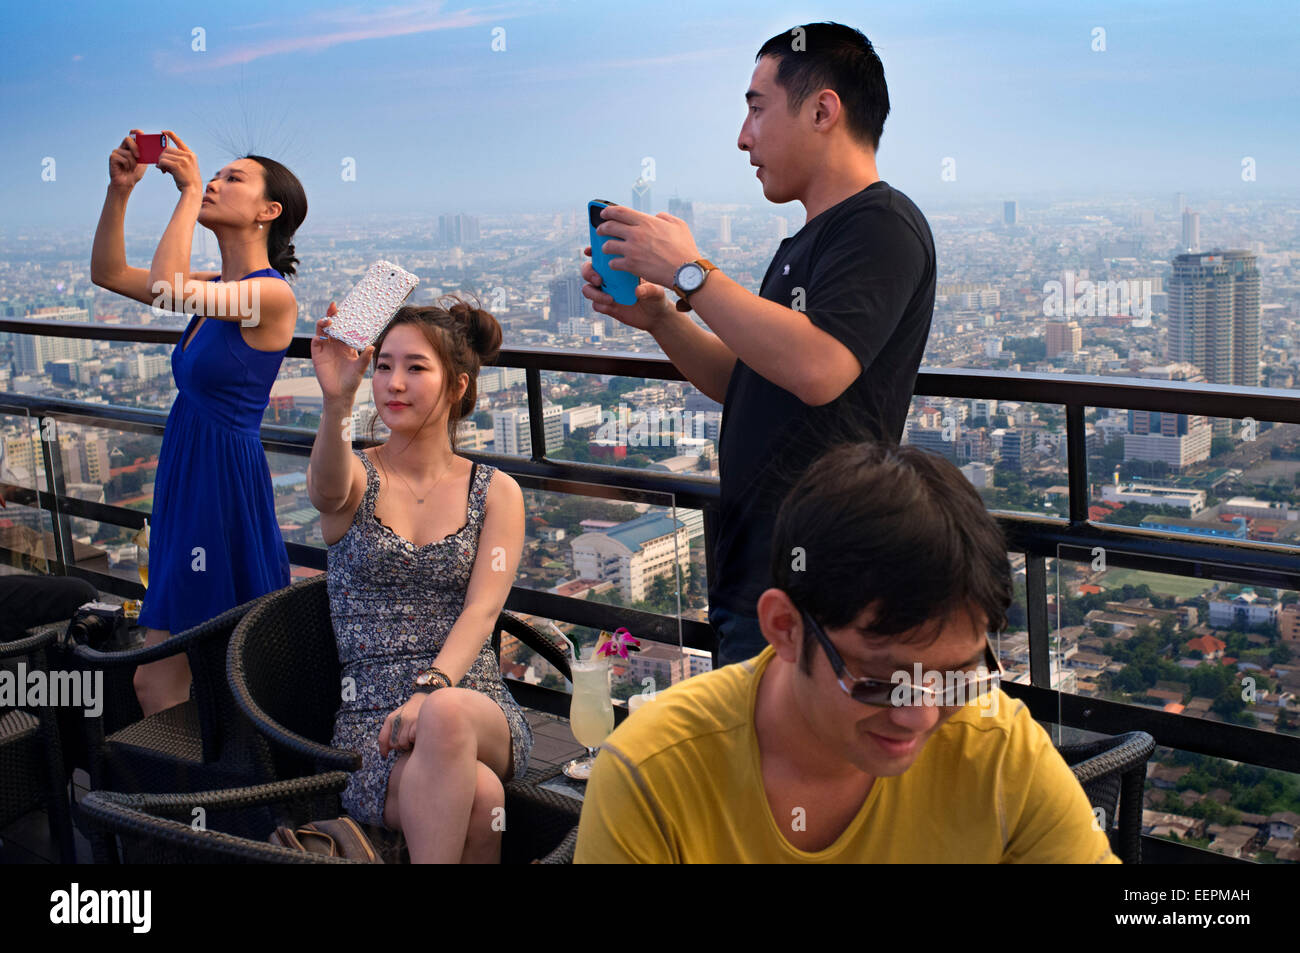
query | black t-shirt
(865,271)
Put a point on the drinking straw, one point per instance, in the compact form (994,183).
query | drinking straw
(572,647)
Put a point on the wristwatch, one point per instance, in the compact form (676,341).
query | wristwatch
(690,278)
(431,679)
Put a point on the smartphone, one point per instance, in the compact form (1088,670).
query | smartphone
(150,146)
(620,284)
(371,304)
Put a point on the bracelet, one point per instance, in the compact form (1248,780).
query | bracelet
(431,679)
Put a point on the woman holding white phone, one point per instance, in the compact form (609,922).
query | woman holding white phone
(423,548)
(214,539)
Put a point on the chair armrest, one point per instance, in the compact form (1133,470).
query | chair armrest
(219,625)
(93,658)
(228,799)
(145,816)
(550,647)
(1129,750)
(28,644)
(326,757)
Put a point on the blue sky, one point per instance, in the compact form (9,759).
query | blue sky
(438,121)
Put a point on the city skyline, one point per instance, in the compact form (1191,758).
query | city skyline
(437,121)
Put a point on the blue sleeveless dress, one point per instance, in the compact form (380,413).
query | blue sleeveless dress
(214,541)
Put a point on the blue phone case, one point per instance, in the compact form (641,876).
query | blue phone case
(621,285)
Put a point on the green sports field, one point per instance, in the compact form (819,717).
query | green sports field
(1178,586)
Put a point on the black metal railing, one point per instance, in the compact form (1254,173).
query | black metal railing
(1039,538)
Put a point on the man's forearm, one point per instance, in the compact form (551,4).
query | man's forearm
(702,356)
(776,342)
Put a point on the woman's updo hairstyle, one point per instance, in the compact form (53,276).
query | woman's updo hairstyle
(463,336)
(281,185)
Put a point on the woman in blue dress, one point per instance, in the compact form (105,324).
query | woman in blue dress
(423,548)
(214,538)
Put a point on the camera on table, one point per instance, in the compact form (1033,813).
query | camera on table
(98,625)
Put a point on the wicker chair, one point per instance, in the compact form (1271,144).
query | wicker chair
(31,757)
(1113,772)
(159,829)
(284,673)
(200,744)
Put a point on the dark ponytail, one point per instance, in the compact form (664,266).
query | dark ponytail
(281,185)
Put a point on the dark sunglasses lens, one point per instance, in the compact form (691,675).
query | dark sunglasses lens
(880,695)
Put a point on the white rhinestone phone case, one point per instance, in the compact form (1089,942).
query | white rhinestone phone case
(371,304)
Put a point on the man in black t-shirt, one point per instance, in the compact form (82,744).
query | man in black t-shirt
(829,349)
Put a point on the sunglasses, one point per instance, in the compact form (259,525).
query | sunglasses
(895,694)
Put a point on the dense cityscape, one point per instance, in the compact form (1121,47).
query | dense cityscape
(1162,287)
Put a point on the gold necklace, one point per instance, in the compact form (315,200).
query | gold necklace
(419,499)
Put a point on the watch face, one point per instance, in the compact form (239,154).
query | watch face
(690,277)
(424,678)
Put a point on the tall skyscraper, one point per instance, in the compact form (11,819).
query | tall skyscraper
(567,299)
(641,199)
(1191,231)
(683,209)
(1010,213)
(724,230)
(457,229)
(1180,203)
(1214,315)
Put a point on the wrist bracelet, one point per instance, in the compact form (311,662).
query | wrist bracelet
(431,679)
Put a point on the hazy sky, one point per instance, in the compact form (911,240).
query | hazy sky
(437,121)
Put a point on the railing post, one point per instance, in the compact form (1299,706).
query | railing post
(536,427)
(1076,447)
(53,461)
(710,533)
(1040,672)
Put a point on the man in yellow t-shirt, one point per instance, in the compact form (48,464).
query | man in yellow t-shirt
(877,735)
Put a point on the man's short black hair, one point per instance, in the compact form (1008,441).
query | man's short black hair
(873,523)
(819,56)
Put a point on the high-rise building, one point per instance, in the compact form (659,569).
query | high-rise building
(1010,213)
(641,198)
(32,352)
(683,209)
(1011,449)
(1063,337)
(1191,231)
(567,299)
(457,229)
(724,230)
(1180,203)
(1176,439)
(1214,315)
(511,433)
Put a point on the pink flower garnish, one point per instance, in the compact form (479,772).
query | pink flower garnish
(619,644)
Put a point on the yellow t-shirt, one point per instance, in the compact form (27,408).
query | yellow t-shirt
(680,782)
